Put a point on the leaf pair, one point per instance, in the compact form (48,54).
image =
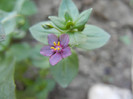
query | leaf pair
(79,20)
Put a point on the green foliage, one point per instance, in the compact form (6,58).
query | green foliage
(38,90)
(96,37)
(22,7)
(37,59)
(65,70)
(20,51)
(28,8)
(60,23)
(9,5)
(23,52)
(68,17)
(7,87)
(8,21)
(68,6)
(40,34)
(4,44)
(75,38)
(15,24)
(82,18)
(25,7)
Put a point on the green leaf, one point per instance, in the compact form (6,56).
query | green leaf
(38,90)
(28,8)
(83,18)
(21,51)
(40,34)
(7,86)
(37,59)
(4,44)
(68,6)
(7,5)
(65,70)
(68,17)
(19,34)
(96,37)
(2,33)
(75,38)
(25,7)
(8,21)
(60,23)
(69,25)
(18,5)
(43,92)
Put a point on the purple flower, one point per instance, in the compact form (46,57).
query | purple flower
(57,49)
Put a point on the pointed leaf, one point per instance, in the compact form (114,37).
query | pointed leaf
(83,18)
(96,37)
(65,70)
(68,17)
(40,34)
(68,6)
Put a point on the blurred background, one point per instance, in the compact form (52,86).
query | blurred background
(102,72)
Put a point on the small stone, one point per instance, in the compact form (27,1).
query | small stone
(102,91)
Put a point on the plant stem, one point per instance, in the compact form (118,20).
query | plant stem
(58,30)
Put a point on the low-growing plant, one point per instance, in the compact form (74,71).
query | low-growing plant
(61,34)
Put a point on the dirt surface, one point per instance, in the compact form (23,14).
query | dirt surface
(110,64)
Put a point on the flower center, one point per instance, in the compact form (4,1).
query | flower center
(56,47)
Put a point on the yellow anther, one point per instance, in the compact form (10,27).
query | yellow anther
(54,43)
(58,48)
(52,48)
(55,49)
(58,43)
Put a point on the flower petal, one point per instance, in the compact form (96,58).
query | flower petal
(46,51)
(66,52)
(52,38)
(64,40)
(54,59)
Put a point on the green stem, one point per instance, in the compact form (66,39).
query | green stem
(9,17)
(58,30)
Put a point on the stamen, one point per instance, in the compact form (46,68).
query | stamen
(58,48)
(52,48)
(54,43)
(58,43)
(55,49)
